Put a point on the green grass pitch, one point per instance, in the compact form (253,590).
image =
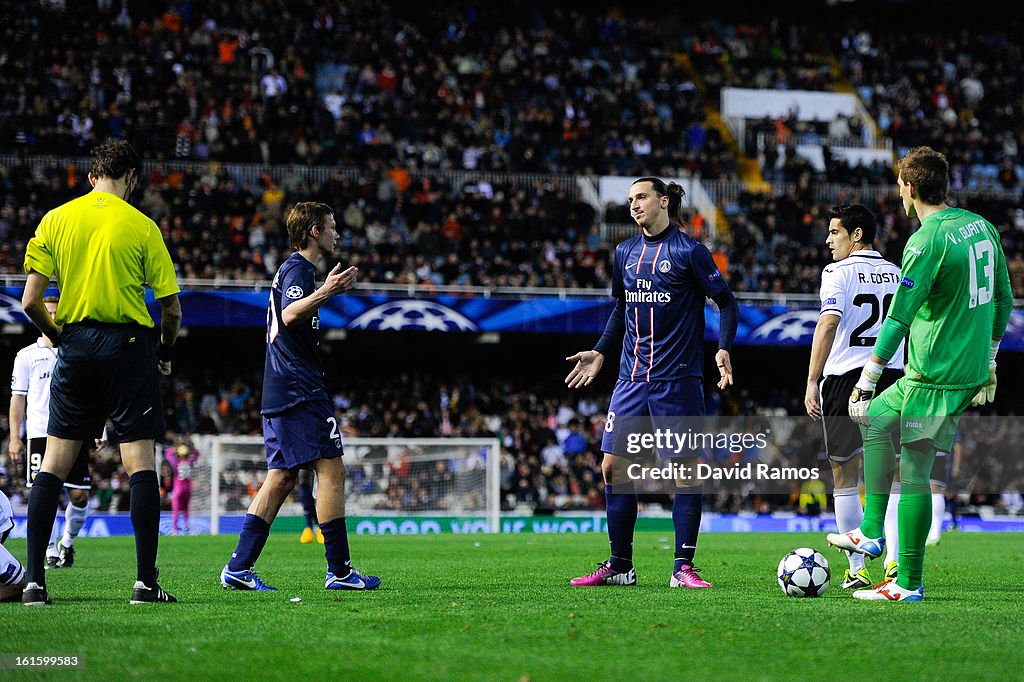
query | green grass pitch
(499,608)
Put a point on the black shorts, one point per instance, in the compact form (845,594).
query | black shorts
(78,478)
(842,435)
(940,469)
(106,370)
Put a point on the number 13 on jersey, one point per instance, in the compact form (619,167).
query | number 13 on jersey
(983,263)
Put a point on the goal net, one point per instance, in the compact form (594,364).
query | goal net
(384,477)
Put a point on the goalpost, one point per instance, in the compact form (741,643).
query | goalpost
(385,476)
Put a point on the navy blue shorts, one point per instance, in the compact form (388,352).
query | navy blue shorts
(301,435)
(637,407)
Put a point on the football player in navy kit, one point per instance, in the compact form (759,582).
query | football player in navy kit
(661,280)
(299,427)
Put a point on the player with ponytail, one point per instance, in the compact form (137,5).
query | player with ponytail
(662,277)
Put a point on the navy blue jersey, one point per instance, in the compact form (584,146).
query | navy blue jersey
(664,282)
(294,371)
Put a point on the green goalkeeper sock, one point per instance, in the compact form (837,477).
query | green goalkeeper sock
(879,469)
(915,518)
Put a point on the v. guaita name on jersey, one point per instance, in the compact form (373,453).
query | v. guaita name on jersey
(967,231)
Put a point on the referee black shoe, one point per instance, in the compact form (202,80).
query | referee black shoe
(35,595)
(150,595)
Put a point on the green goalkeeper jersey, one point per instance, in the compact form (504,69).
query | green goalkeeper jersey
(954,296)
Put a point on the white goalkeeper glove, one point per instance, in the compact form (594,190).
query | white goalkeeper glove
(863,392)
(987,392)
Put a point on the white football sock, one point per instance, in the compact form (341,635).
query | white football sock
(74,519)
(892,525)
(51,549)
(938,514)
(849,514)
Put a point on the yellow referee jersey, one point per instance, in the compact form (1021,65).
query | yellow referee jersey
(103,252)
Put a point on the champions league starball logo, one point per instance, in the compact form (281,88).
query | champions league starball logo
(414,314)
(791,327)
(10,310)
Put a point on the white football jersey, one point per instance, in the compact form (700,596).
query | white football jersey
(11,570)
(859,290)
(33,367)
(6,515)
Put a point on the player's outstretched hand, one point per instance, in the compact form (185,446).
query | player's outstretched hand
(987,392)
(858,406)
(724,365)
(811,402)
(339,281)
(164,366)
(588,364)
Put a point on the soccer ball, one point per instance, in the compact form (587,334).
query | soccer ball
(804,573)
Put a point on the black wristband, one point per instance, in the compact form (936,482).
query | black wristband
(164,353)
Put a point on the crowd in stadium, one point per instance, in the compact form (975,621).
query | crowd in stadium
(477,234)
(777,240)
(950,88)
(548,96)
(562,92)
(930,84)
(395,230)
(774,55)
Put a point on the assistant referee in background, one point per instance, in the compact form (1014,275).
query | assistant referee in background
(103,252)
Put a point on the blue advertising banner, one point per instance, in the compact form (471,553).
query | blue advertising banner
(759,325)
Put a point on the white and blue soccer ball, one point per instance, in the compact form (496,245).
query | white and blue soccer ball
(804,573)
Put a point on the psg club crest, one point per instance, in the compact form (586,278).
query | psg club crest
(664,266)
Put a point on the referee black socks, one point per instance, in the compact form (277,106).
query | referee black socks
(145,512)
(42,511)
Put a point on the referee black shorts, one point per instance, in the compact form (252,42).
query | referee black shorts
(106,370)
(842,435)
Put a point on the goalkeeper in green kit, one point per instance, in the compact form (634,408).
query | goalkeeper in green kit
(954,299)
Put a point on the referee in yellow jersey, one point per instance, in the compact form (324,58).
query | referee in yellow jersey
(103,252)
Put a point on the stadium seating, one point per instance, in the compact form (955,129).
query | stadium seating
(564,93)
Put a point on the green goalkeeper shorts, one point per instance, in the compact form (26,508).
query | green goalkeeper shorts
(924,413)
